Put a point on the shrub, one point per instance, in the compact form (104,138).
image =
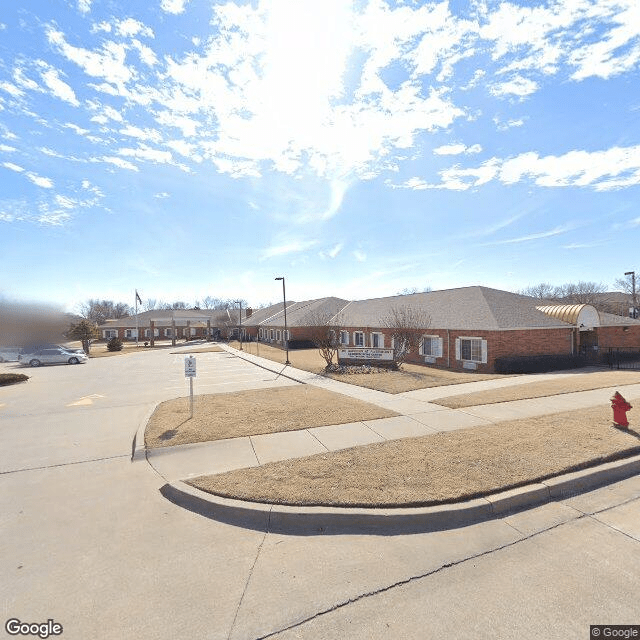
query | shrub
(12,378)
(115,344)
(537,364)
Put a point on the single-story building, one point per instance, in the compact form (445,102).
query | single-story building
(172,324)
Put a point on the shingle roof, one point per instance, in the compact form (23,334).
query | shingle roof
(260,315)
(307,313)
(466,308)
(162,316)
(612,320)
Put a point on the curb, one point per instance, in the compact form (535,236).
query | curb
(339,520)
(138,450)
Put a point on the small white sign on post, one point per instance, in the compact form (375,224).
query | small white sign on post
(190,367)
(190,372)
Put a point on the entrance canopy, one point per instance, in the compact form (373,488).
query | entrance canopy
(583,316)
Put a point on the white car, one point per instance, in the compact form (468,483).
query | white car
(52,356)
(9,354)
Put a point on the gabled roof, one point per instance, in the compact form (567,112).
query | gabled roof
(307,313)
(261,315)
(162,317)
(466,308)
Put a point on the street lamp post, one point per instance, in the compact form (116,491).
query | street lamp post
(286,331)
(633,289)
(239,302)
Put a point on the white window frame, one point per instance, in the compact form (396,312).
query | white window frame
(380,337)
(358,338)
(278,335)
(271,334)
(286,335)
(130,333)
(344,338)
(481,357)
(110,333)
(435,346)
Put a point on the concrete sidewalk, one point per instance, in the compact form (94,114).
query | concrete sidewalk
(418,417)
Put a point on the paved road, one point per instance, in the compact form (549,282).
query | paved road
(87,539)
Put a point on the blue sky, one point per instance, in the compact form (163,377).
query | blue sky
(190,148)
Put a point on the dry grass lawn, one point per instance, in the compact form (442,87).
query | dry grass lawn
(445,467)
(579,382)
(254,412)
(99,349)
(210,349)
(409,378)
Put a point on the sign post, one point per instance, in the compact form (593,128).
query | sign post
(190,372)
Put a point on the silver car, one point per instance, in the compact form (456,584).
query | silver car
(9,354)
(52,356)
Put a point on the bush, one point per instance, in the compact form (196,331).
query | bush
(12,378)
(537,364)
(115,344)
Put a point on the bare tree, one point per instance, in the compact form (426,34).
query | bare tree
(583,293)
(409,290)
(406,325)
(543,291)
(324,332)
(149,304)
(99,311)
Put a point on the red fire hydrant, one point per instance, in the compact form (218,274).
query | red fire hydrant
(620,407)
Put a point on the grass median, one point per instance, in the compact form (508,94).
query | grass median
(409,378)
(442,468)
(254,412)
(578,382)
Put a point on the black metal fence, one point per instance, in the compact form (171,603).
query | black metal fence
(622,358)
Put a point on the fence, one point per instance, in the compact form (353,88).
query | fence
(622,358)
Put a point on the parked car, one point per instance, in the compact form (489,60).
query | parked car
(32,348)
(52,356)
(9,354)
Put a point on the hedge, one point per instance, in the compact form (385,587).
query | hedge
(12,378)
(537,364)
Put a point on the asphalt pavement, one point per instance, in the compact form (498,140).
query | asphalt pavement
(88,540)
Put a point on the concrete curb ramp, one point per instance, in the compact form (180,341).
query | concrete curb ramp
(335,520)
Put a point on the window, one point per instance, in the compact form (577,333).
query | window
(271,336)
(471,349)
(344,337)
(167,333)
(285,335)
(432,346)
(358,338)
(110,333)
(260,334)
(278,335)
(377,340)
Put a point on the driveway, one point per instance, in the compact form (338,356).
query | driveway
(88,540)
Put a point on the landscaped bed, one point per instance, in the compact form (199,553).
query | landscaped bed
(579,382)
(441,468)
(12,378)
(254,412)
(409,378)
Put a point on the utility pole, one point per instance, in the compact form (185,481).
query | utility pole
(633,289)
(286,330)
(239,302)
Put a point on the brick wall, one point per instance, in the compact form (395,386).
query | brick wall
(618,337)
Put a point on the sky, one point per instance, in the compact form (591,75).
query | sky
(191,148)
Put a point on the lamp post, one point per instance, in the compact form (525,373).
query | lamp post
(286,332)
(633,288)
(239,302)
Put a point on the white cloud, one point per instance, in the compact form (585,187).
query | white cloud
(84,6)
(11,89)
(74,127)
(118,162)
(359,255)
(613,168)
(58,87)
(13,167)
(130,27)
(557,231)
(161,195)
(173,6)
(141,134)
(6,148)
(293,246)
(336,250)
(65,202)
(455,149)
(147,153)
(517,86)
(40,181)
